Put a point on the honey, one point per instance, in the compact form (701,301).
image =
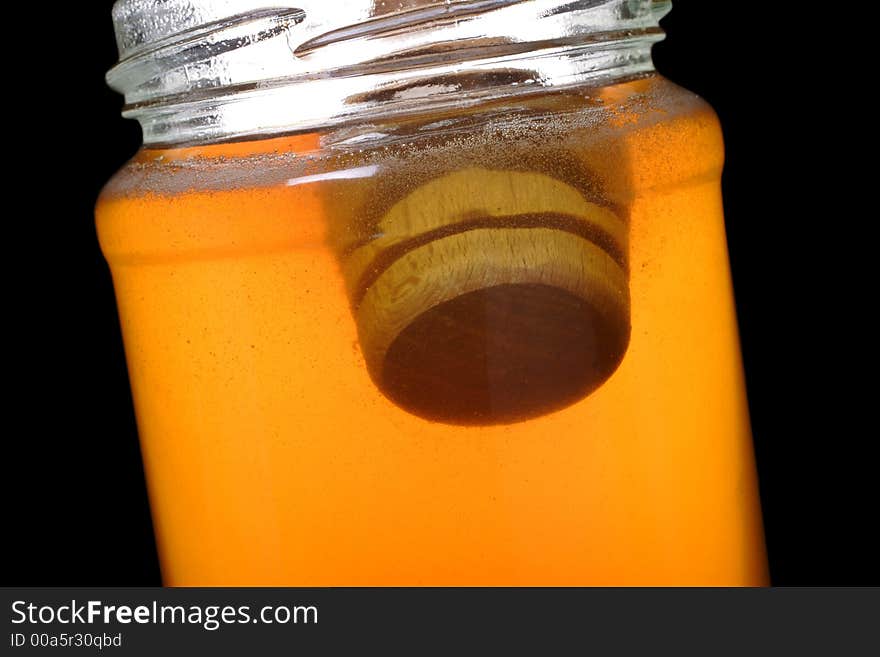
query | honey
(495,348)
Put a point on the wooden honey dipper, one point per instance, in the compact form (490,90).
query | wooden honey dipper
(489,296)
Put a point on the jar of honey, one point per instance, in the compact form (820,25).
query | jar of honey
(428,293)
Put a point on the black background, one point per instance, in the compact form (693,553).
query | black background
(75,510)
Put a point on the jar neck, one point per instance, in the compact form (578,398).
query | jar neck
(231,72)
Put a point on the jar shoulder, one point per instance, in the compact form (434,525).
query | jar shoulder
(652,135)
(645,133)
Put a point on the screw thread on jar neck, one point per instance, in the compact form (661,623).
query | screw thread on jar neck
(194,71)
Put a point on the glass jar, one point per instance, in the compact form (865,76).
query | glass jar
(428,293)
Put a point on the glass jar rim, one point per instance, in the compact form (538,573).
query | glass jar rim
(202,70)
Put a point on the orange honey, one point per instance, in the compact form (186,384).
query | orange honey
(273,454)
